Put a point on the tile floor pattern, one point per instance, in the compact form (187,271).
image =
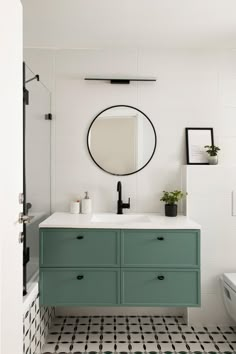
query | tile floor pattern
(136,334)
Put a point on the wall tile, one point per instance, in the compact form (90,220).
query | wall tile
(190,91)
(209,203)
(185,94)
(36,322)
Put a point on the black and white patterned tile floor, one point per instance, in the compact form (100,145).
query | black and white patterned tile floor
(136,334)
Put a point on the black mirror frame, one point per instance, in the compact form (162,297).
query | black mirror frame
(155,144)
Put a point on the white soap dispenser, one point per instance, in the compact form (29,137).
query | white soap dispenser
(86,207)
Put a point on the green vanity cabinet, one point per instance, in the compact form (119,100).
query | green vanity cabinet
(111,267)
(165,287)
(79,247)
(80,286)
(160,248)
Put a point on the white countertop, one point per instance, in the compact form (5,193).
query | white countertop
(155,221)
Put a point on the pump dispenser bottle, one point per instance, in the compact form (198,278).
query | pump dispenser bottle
(86,207)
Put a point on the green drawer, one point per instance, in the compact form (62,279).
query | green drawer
(162,287)
(79,287)
(79,247)
(168,248)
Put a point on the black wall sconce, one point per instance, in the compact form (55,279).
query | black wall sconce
(120,81)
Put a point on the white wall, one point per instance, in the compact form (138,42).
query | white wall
(193,88)
(209,202)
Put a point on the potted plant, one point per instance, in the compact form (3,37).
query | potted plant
(171,199)
(212,151)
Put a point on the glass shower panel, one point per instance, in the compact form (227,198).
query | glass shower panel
(37,166)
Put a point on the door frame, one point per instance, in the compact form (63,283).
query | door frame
(11,155)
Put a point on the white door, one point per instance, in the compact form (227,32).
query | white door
(11,176)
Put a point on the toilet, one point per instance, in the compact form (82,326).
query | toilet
(228,283)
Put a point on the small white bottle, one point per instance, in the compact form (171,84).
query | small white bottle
(86,204)
(75,207)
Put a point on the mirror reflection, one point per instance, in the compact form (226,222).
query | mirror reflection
(121,140)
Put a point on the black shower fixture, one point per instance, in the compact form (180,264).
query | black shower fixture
(36,77)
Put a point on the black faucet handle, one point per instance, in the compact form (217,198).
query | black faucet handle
(126,205)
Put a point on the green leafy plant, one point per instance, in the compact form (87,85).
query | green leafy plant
(172,197)
(212,150)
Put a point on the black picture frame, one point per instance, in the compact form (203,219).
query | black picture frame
(196,155)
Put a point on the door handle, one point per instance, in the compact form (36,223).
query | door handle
(25,219)
(21,237)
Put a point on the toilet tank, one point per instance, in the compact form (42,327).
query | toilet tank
(229,293)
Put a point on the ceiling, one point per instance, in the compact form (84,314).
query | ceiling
(130,23)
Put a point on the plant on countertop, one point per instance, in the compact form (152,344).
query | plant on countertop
(212,150)
(172,197)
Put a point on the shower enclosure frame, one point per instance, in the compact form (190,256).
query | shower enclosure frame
(26,254)
(47,116)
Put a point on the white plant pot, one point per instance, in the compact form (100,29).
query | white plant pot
(213,160)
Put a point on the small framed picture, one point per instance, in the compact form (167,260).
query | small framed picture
(196,139)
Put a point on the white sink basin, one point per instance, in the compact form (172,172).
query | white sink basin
(119,219)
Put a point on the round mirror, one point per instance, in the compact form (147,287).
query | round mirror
(121,140)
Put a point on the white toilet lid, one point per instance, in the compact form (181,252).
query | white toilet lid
(230,279)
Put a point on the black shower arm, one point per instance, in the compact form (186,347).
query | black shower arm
(36,77)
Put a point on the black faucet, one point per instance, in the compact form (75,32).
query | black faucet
(120,204)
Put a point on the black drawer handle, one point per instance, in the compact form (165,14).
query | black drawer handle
(160,238)
(160,277)
(79,277)
(80,237)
